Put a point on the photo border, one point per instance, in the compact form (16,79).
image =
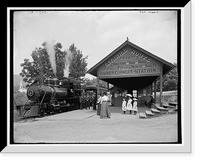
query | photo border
(185,106)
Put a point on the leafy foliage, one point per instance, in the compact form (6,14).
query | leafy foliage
(170,80)
(20,98)
(78,66)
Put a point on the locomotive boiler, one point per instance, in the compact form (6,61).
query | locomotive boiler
(53,96)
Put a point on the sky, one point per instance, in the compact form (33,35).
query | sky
(95,33)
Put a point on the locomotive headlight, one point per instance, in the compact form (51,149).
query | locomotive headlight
(30,93)
(33,93)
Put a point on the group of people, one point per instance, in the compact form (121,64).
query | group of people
(88,101)
(130,105)
(102,104)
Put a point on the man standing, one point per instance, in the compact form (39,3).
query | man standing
(109,99)
(94,101)
(152,101)
(87,101)
(99,104)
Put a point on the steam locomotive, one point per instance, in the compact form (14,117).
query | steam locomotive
(51,97)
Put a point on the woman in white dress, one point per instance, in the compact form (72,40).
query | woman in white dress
(135,109)
(129,104)
(105,110)
(124,105)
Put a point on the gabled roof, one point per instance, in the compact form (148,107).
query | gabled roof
(167,66)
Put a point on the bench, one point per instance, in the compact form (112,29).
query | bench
(149,113)
(142,115)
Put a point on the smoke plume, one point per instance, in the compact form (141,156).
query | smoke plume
(49,46)
(68,60)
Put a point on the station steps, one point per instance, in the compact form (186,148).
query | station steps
(158,111)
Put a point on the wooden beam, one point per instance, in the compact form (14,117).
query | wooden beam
(107,86)
(161,86)
(154,90)
(98,82)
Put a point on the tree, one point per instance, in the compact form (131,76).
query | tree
(31,69)
(170,80)
(78,66)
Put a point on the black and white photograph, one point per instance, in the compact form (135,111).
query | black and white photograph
(96,77)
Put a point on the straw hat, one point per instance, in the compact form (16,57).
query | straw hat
(129,95)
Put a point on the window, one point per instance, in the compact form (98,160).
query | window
(135,93)
(144,92)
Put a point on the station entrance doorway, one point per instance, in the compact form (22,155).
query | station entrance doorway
(140,87)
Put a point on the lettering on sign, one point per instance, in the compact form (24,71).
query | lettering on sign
(128,72)
(135,54)
(140,55)
(114,58)
(124,66)
(129,61)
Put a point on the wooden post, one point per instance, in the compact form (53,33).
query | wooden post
(98,82)
(161,86)
(154,90)
(107,86)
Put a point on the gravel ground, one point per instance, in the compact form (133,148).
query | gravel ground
(84,126)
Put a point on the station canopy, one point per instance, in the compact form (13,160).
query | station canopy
(130,66)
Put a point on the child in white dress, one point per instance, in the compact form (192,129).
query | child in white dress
(124,105)
(129,105)
(135,109)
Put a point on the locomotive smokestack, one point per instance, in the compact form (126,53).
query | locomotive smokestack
(68,60)
(41,77)
(49,46)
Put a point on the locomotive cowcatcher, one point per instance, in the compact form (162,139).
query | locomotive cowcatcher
(51,97)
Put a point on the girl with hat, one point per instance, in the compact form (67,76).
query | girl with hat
(124,105)
(135,109)
(129,103)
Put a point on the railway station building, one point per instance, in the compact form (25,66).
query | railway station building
(131,70)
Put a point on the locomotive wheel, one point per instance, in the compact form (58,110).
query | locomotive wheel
(41,112)
(52,109)
(48,112)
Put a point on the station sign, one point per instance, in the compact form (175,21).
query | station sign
(129,62)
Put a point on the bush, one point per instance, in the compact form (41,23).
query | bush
(166,99)
(20,98)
